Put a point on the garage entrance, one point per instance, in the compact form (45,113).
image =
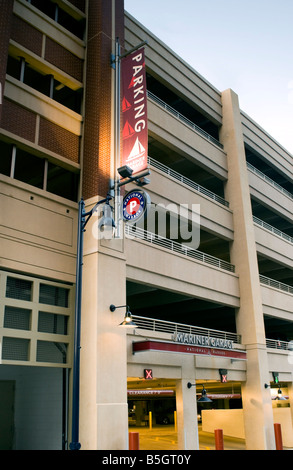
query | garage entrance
(151,407)
(152,410)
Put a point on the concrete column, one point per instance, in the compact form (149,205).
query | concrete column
(103,396)
(186,408)
(258,415)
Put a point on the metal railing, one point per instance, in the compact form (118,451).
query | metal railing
(183,119)
(188,182)
(136,232)
(276,284)
(164,326)
(269,180)
(277,344)
(273,229)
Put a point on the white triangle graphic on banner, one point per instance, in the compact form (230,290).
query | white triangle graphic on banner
(137,151)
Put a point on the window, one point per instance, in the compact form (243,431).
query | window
(17,318)
(29,169)
(18,289)
(36,80)
(36,328)
(47,7)
(48,351)
(5,158)
(38,172)
(52,295)
(52,323)
(56,13)
(76,27)
(62,182)
(15,349)
(45,84)
(13,67)
(67,97)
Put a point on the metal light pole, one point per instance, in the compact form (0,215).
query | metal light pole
(83,218)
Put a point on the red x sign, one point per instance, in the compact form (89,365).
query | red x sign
(148,374)
(223,375)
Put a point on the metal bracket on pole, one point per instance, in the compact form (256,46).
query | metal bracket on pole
(144,43)
(90,213)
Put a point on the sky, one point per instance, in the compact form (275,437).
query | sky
(245,45)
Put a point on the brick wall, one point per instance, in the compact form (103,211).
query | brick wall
(97,126)
(58,140)
(18,120)
(26,35)
(31,38)
(63,59)
(22,122)
(6,7)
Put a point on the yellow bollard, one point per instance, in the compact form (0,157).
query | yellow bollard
(175,420)
(150,420)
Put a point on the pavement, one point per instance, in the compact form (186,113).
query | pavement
(165,438)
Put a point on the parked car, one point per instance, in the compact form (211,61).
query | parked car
(165,417)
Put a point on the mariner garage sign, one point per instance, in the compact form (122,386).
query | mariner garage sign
(185,343)
(202,340)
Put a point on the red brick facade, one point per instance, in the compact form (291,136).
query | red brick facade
(98,86)
(97,130)
(26,35)
(63,59)
(18,120)
(6,7)
(22,122)
(58,140)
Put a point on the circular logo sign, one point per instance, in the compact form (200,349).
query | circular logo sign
(134,205)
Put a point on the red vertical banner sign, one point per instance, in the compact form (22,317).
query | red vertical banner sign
(134,111)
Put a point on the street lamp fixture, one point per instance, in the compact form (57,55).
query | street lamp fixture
(280,395)
(128,321)
(204,398)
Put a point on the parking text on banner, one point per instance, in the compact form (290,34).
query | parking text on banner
(134,111)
